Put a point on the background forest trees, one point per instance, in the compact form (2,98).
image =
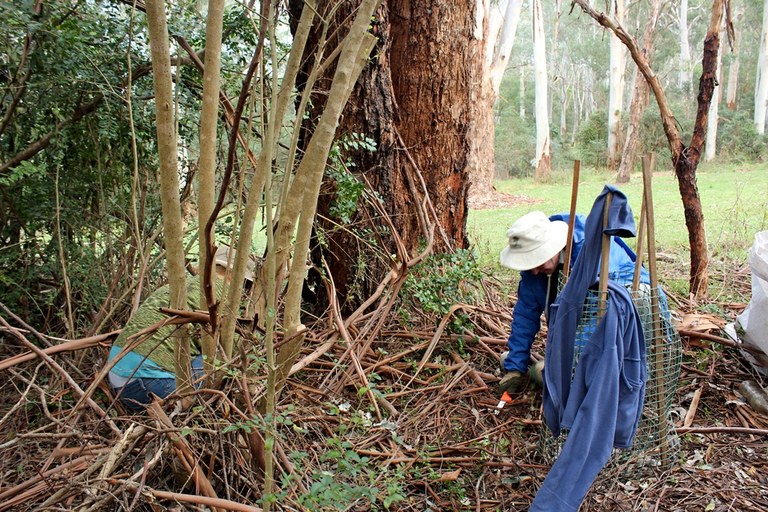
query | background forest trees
(580,87)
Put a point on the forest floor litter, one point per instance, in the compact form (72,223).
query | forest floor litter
(402,419)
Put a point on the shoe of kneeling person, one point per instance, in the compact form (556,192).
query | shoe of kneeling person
(536,373)
(501,361)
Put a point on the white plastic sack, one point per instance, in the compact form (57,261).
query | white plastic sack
(752,324)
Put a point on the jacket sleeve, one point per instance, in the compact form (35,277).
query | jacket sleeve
(526,320)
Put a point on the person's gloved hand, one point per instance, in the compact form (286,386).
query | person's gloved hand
(510,382)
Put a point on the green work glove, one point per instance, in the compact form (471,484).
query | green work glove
(510,382)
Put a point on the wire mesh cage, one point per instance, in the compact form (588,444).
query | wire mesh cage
(655,444)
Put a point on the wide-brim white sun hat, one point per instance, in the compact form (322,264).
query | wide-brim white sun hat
(532,240)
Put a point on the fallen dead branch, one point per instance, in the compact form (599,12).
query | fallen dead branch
(719,339)
(723,430)
(68,346)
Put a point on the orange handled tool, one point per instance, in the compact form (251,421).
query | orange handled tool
(505,399)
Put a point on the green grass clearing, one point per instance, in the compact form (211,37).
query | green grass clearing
(734,199)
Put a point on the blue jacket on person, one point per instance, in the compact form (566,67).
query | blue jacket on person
(536,292)
(600,401)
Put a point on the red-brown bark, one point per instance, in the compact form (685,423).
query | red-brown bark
(414,100)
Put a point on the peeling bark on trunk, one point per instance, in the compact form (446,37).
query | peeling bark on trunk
(414,99)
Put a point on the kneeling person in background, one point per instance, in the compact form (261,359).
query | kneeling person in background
(149,368)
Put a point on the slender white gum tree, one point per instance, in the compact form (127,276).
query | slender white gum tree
(543,159)
(167,148)
(498,56)
(685,74)
(710,144)
(616,88)
(761,86)
(733,66)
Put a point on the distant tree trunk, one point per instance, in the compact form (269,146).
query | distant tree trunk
(563,109)
(685,159)
(414,99)
(761,87)
(578,101)
(710,145)
(521,96)
(684,77)
(500,49)
(553,57)
(639,103)
(637,107)
(733,67)
(498,46)
(616,88)
(480,155)
(542,159)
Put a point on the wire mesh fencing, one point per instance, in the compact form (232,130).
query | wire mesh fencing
(655,445)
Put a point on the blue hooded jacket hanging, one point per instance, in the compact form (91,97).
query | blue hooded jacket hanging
(599,401)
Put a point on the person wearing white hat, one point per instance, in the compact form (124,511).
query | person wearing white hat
(536,246)
(149,367)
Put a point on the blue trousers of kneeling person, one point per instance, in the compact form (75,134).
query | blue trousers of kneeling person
(137,393)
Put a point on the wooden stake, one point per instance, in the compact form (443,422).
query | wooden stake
(658,340)
(604,260)
(571,220)
(640,235)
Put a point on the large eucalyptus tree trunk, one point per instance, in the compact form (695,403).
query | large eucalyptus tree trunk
(542,158)
(414,101)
